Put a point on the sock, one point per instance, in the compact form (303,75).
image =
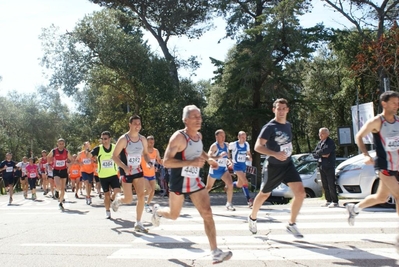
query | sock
(228,203)
(246,191)
(251,218)
(357,209)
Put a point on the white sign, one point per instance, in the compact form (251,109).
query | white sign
(366,112)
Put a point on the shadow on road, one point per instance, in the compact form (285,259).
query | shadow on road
(343,253)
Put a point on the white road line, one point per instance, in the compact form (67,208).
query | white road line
(262,239)
(310,253)
(266,226)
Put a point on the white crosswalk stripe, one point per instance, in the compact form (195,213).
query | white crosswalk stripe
(328,239)
(318,225)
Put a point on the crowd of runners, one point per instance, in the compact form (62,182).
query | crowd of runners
(133,162)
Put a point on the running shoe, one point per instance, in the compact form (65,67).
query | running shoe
(250,202)
(350,207)
(292,229)
(25,195)
(108,214)
(76,195)
(100,195)
(147,208)
(252,225)
(140,228)
(61,206)
(10,201)
(33,196)
(155,219)
(57,195)
(230,207)
(219,256)
(45,192)
(116,203)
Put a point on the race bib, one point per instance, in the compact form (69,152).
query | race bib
(9,169)
(190,171)
(86,161)
(222,162)
(133,160)
(392,143)
(287,148)
(241,157)
(60,163)
(32,175)
(107,163)
(75,172)
(50,173)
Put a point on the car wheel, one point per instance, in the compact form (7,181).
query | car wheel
(309,193)
(390,201)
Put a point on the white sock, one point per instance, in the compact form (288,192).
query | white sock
(357,209)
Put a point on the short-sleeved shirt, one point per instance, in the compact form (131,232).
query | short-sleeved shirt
(279,138)
(10,166)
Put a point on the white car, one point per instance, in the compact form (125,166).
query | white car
(355,179)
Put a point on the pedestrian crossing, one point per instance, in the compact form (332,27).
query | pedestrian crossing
(328,239)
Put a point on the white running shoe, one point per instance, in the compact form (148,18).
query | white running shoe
(155,219)
(230,207)
(219,256)
(108,214)
(116,203)
(140,228)
(252,225)
(292,229)
(350,207)
(147,208)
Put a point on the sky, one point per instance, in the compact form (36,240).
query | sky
(21,23)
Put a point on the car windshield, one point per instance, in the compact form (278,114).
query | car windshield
(307,167)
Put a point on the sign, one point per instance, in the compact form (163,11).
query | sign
(345,136)
(366,112)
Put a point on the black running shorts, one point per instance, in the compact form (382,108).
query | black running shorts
(280,173)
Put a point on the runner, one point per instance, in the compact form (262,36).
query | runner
(74,174)
(129,150)
(241,152)
(42,172)
(7,167)
(50,179)
(107,170)
(149,171)
(32,173)
(220,152)
(21,166)
(57,159)
(385,130)
(185,156)
(87,169)
(274,141)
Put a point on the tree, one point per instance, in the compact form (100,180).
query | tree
(269,37)
(165,19)
(368,15)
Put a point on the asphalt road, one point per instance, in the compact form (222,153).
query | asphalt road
(37,233)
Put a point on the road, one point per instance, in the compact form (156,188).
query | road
(37,233)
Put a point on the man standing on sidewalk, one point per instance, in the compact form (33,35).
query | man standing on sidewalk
(325,154)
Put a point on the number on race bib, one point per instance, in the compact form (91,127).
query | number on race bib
(60,163)
(190,171)
(86,161)
(134,160)
(222,162)
(107,163)
(9,169)
(241,157)
(392,143)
